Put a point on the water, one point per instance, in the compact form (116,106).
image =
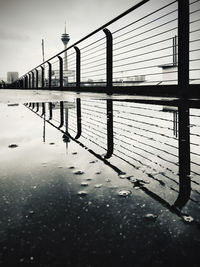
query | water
(142,183)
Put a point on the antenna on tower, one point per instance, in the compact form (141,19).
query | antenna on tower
(65,26)
(43,50)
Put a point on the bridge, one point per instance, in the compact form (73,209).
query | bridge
(146,50)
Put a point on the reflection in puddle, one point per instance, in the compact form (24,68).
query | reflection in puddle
(138,160)
(153,140)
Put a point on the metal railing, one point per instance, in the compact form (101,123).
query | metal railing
(151,142)
(158,48)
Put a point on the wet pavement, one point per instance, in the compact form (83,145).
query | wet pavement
(92,181)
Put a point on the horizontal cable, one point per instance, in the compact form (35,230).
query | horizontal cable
(93,61)
(144,17)
(149,52)
(94,66)
(143,122)
(91,49)
(85,72)
(194,31)
(195,11)
(145,60)
(194,2)
(141,68)
(145,24)
(103,38)
(147,74)
(144,46)
(95,56)
(73,53)
(94,53)
(192,60)
(194,50)
(194,21)
(147,31)
(56,62)
(93,75)
(196,40)
(148,158)
(147,38)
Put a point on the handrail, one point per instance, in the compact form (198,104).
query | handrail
(109,63)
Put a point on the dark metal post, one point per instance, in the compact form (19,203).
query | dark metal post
(78,116)
(175,49)
(29,80)
(109,58)
(173,39)
(184,155)
(110,145)
(50,70)
(78,67)
(26,81)
(33,79)
(36,78)
(42,77)
(61,71)
(50,110)
(183,45)
(43,109)
(61,114)
(38,106)
(21,83)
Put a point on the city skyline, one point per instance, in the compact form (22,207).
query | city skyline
(20,39)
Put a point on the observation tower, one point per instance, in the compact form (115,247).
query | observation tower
(65,39)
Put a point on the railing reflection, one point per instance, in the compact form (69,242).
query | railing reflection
(78,114)
(143,139)
(184,155)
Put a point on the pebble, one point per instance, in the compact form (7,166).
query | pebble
(13,146)
(124,193)
(151,216)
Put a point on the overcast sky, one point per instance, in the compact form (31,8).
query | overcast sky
(23,23)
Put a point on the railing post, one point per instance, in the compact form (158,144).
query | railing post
(60,71)
(61,114)
(50,71)
(43,109)
(26,81)
(50,111)
(110,143)
(33,79)
(37,107)
(23,84)
(42,77)
(36,78)
(184,155)
(78,67)
(78,116)
(183,45)
(29,80)
(109,59)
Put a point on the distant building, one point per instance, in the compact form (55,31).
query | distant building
(12,76)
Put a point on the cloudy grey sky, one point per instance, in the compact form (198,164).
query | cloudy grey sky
(23,23)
